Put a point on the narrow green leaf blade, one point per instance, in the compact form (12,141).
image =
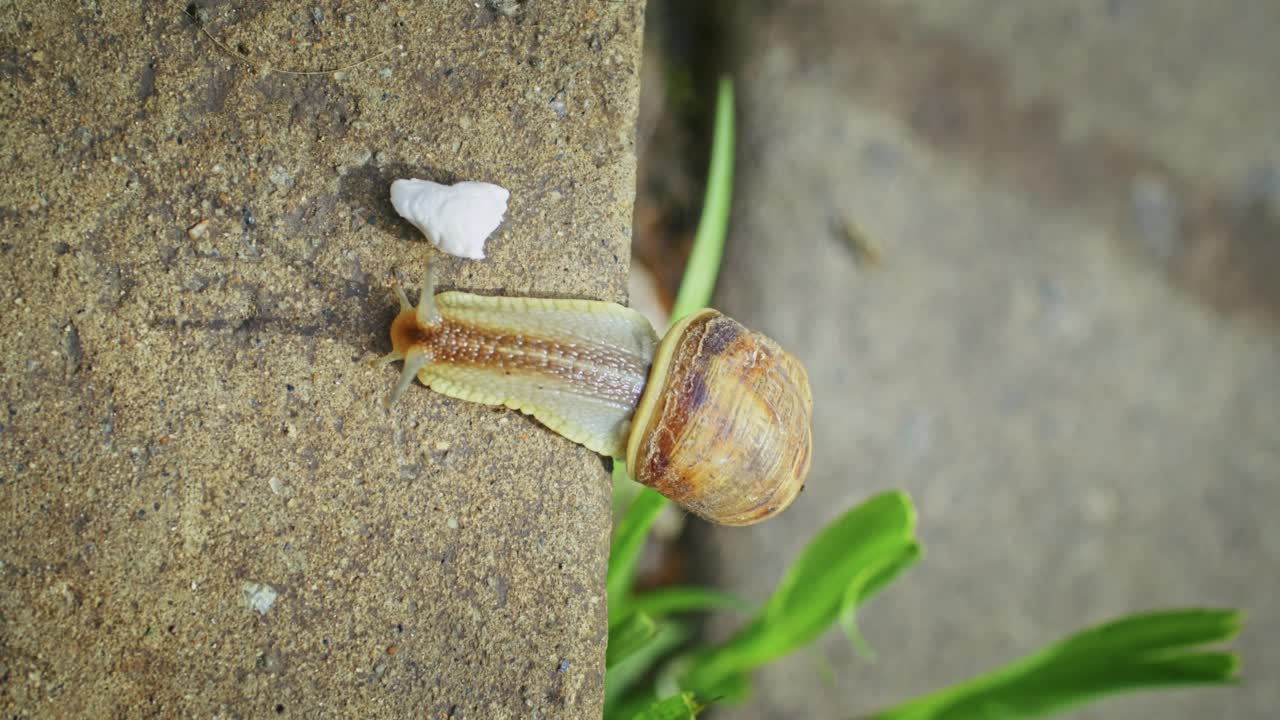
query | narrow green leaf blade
(628,539)
(632,705)
(677,707)
(854,556)
(628,636)
(1156,631)
(866,584)
(838,553)
(708,243)
(620,680)
(696,286)
(665,601)
(1143,651)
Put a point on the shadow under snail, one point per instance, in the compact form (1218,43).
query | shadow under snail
(715,417)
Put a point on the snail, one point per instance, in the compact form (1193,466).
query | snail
(715,417)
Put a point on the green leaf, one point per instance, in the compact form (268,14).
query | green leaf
(848,617)
(695,292)
(735,688)
(628,539)
(1148,650)
(866,584)
(621,700)
(628,636)
(634,704)
(1154,632)
(842,566)
(676,707)
(708,243)
(838,555)
(665,601)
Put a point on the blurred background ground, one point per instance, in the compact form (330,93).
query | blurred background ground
(1060,336)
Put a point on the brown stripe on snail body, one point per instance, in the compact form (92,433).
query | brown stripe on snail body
(715,417)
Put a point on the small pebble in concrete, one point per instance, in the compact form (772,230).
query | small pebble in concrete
(72,349)
(558,103)
(280,177)
(508,8)
(259,596)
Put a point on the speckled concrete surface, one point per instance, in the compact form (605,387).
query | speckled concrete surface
(1070,355)
(207,511)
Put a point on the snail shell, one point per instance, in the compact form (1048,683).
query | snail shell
(723,427)
(716,417)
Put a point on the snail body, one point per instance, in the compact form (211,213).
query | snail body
(715,416)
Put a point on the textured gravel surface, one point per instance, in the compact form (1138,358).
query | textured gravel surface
(206,509)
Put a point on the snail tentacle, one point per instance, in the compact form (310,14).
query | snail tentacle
(414,361)
(427,313)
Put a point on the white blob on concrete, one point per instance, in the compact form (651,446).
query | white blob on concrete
(259,596)
(457,219)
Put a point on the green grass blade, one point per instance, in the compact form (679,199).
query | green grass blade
(841,567)
(631,706)
(700,272)
(1155,631)
(665,601)
(621,699)
(840,551)
(696,285)
(624,551)
(677,707)
(628,636)
(866,584)
(1148,650)
(695,291)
